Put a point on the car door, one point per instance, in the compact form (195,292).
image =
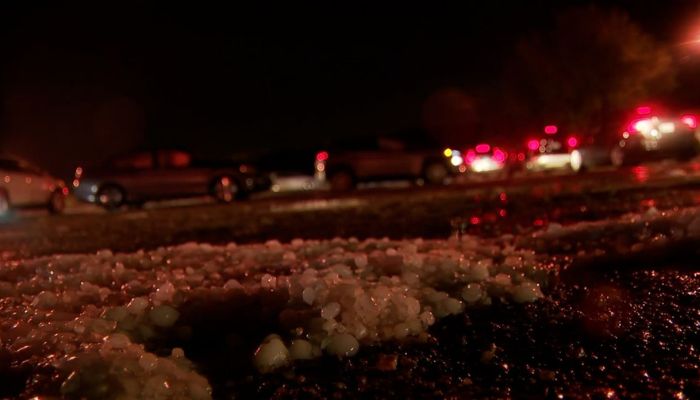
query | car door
(371,161)
(178,177)
(395,160)
(136,175)
(17,183)
(39,184)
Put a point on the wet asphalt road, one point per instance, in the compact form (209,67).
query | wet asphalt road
(412,211)
(624,328)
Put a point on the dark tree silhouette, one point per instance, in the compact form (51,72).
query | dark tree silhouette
(590,68)
(449,116)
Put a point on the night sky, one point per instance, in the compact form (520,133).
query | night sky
(82,81)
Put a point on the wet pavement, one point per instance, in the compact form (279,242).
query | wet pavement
(619,322)
(523,204)
(629,335)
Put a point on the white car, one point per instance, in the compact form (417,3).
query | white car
(24,185)
(550,153)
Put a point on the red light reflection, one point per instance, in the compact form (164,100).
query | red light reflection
(641,174)
(648,203)
(607,310)
(475,220)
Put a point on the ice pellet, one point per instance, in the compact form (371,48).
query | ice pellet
(526,292)
(330,310)
(342,345)
(271,355)
(301,349)
(163,316)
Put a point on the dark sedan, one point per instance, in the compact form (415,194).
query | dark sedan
(164,174)
(385,158)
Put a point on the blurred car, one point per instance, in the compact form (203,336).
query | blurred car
(25,185)
(487,160)
(551,153)
(590,156)
(383,159)
(164,174)
(654,138)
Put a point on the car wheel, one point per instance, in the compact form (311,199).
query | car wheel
(342,181)
(225,189)
(57,202)
(435,173)
(111,197)
(4,203)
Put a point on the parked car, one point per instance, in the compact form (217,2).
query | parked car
(382,159)
(655,138)
(485,159)
(590,157)
(164,174)
(550,153)
(25,185)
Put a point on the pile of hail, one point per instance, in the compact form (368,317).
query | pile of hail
(90,319)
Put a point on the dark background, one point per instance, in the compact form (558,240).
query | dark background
(80,81)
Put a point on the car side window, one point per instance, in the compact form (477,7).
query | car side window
(29,168)
(9,165)
(390,144)
(140,161)
(19,166)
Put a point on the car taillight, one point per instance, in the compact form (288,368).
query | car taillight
(551,129)
(482,148)
(572,141)
(643,110)
(322,156)
(533,144)
(471,156)
(499,155)
(690,120)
